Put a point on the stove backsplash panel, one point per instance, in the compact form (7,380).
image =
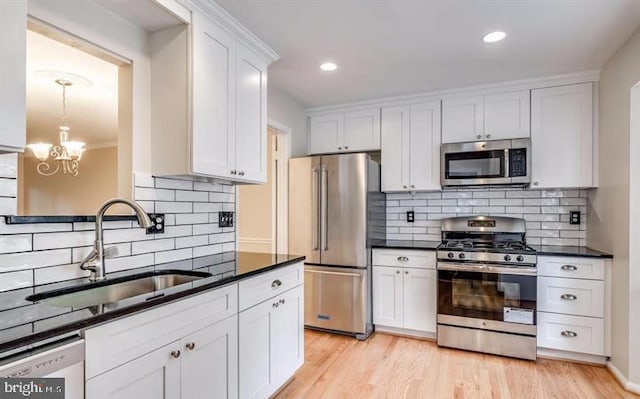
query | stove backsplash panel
(546,212)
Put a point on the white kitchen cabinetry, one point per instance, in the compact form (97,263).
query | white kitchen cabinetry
(175,351)
(345,132)
(562,137)
(486,117)
(208,102)
(271,337)
(411,147)
(404,291)
(13,59)
(573,307)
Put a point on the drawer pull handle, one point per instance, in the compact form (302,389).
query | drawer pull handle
(402,258)
(191,346)
(175,354)
(397,271)
(569,334)
(568,297)
(569,267)
(406,272)
(276,284)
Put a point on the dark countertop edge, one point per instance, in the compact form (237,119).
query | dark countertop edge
(115,314)
(11,219)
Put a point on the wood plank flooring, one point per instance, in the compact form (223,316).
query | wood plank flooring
(387,366)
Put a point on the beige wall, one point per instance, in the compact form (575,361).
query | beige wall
(63,194)
(284,109)
(609,215)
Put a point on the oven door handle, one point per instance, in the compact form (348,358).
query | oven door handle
(486,268)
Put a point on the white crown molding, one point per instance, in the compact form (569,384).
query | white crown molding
(514,85)
(622,380)
(222,17)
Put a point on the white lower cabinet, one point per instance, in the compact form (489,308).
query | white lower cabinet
(271,338)
(404,297)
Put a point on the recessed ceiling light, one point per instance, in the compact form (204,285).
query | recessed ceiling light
(328,66)
(494,37)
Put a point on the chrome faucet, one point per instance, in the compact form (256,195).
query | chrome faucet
(95,260)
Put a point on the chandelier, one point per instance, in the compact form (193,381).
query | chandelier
(64,156)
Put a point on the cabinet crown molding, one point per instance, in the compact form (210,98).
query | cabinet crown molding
(214,11)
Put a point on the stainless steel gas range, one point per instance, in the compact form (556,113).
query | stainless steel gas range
(487,286)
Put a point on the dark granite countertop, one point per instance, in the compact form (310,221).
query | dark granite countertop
(556,250)
(405,244)
(24,324)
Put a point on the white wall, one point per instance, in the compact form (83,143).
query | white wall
(608,228)
(284,109)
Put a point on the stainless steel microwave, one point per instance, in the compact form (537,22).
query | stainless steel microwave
(485,163)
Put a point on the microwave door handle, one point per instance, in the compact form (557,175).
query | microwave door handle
(315,224)
(507,172)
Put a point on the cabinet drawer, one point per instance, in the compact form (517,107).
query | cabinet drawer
(587,268)
(257,289)
(123,340)
(571,296)
(404,258)
(571,333)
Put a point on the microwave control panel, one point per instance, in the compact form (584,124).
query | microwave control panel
(517,162)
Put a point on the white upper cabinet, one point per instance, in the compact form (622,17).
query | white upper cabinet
(411,147)
(208,102)
(488,117)
(562,137)
(345,132)
(13,60)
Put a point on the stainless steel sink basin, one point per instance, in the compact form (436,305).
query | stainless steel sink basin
(110,291)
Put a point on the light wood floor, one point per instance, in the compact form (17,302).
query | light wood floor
(387,366)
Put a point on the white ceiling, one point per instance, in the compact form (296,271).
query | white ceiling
(92,112)
(392,47)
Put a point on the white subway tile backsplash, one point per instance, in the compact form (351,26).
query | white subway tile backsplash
(192,241)
(171,256)
(192,196)
(221,197)
(192,218)
(174,207)
(8,206)
(143,180)
(151,194)
(140,247)
(176,184)
(34,260)
(63,240)
(15,243)
(9,165)
(128,262)
(488,194)
(505,202)
(15,280)
(46,275)
(177,231)
(8,187)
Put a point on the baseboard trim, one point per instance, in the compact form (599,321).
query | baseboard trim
(406,333)
(622,380)
(572,356)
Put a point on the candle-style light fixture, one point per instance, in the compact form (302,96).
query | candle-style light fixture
(67,153)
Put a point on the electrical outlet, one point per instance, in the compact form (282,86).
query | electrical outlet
(574,217)
(225,219)
(410,217)
(158,223)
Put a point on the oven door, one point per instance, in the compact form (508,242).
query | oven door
(504,297)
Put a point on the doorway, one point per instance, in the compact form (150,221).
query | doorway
(262,208)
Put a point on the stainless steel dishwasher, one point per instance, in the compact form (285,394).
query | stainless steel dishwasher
(64,359)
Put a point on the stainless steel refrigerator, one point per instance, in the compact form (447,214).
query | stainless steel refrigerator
(335,210)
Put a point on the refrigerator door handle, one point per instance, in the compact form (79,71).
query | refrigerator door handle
(325,211)
(315,210)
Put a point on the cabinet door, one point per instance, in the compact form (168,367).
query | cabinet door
(362,130)
(420,299)
(255,354)
(213,118)
(462,119)
(562,136)
(288,333)
(425,146)
(325,133)
(155,375)
(506,115)
(210,362)
(13,59)
(395,149)
(387,296)
(251,117)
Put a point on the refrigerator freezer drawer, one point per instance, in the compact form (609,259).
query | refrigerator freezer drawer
(336,298)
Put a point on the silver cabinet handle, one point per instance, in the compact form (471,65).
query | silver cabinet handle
(568,297)
(412,186)
(241,173)
(346,148)
(569,334)
(406,272)
(175,354)
(339,148)
(535,183)
(479,136)
(191,346)
(404,186)
(488,135)
(402,258)
(569,267)
(397,271)
(276,283)
(233,172)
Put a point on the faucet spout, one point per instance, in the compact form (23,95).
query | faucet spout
(98,254)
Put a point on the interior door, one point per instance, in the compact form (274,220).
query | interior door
(304,207)
(343,209)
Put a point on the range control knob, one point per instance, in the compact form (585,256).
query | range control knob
(461,255)
(520,258)
(450,255)
(507,258)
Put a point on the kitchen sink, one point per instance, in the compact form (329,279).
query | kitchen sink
(117,289)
